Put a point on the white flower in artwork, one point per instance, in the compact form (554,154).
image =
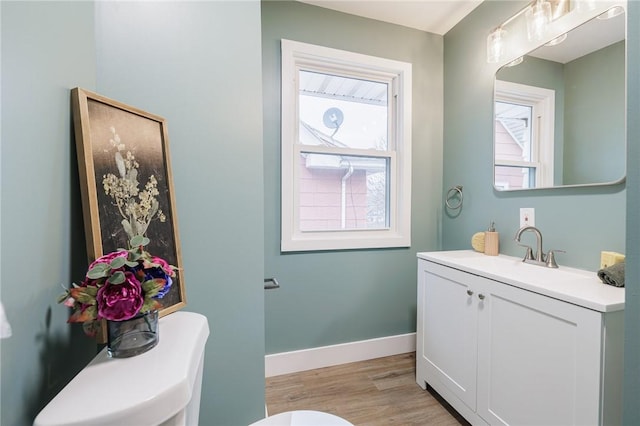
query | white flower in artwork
(137,208)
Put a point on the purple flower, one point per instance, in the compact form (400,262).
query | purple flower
(119,302)
(168,269)
(107,258)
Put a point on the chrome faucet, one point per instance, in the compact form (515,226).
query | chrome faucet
(548,260)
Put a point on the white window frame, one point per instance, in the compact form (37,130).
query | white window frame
(543,104)
(298,56)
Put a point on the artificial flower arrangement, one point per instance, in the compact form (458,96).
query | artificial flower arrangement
(118,286)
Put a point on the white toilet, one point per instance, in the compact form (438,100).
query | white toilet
(142,391)
(302,418)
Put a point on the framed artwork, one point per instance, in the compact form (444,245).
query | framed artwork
(126,182)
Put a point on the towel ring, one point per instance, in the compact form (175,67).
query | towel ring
(452,194)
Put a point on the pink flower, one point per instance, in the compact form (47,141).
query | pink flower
(164,265)
(119,302)
(107,258)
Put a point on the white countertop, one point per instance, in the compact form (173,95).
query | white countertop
(576,286)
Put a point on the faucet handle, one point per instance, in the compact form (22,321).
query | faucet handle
(529,253)
(551,258)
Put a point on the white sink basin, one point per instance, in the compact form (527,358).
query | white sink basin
(517,269)
(572,285)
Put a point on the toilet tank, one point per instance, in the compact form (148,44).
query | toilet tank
(159,387)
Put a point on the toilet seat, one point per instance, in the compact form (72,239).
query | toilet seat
(302,418)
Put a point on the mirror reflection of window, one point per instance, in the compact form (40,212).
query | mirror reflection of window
(523,136)
(513,145)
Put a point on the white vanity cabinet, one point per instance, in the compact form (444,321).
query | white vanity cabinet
(503,354)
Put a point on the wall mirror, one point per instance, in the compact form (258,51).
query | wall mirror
(559,114)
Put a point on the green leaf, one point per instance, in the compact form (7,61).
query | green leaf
(117,278)
(63,297)
(118,262)
(92,311)
(98,271)
(134,256)
(153,287)
(81,295)
(139,240)
(101,266)
(131,264)
(150,304)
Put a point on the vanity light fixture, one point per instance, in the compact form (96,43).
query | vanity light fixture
(538,14)
(495,45)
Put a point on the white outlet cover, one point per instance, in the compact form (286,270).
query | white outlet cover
(527,216)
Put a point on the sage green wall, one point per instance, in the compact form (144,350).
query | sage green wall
(342,296)
(198,64)
(632,286)
(47,48)
(582,221)
(595,94)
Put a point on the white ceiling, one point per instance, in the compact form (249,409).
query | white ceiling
(434,16)
(439,16)
(589,37)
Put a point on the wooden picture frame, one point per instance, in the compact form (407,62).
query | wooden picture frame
(112,140)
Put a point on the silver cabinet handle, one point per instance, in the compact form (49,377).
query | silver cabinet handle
(470,293)
(481,296)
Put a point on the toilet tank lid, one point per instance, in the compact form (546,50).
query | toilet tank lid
(145,389)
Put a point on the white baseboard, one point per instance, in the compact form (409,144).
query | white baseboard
(326,356)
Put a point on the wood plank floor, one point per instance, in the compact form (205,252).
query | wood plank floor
(377,392)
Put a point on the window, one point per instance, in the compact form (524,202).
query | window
(346,150)
(523,142)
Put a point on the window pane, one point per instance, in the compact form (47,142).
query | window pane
(513,132)
(507,177)
(342,111)
(343,192)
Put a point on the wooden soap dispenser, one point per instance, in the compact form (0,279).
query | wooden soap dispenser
(491,241)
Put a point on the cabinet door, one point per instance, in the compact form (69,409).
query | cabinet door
(447,334)
(538,359)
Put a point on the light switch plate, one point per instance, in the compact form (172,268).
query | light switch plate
(527,216)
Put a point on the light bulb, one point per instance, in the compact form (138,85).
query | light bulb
(495,45)
(538,15)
